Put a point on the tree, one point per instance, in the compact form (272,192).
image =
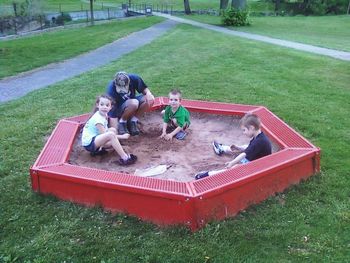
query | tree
(92,11)
(187,7)
(318,7)
(223,4)
(277,5)
(239,4)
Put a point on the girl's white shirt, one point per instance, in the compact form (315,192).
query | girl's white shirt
(90,130)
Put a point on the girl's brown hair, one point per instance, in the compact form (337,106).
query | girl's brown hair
(105,96)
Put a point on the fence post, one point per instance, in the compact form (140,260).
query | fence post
(41,22)
(62,18)
(108,13)
(15,8)
(15,26)
(2,27)
(60,8)
(87,16)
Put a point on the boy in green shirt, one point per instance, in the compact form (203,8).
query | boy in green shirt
(176,118)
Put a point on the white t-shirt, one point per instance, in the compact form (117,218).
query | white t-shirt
(90,130)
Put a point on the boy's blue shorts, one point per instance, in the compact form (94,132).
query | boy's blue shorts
(180,135)
(244,160)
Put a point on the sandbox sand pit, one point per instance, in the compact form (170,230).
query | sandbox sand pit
(184,158)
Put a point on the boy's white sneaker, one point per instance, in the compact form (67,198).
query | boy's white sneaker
(218,149)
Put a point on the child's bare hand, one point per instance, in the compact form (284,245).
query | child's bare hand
(149,99)
(167,137)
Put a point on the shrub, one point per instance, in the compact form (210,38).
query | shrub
(64,17)
(235,17)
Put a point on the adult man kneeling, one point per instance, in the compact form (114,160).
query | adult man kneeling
(132,98)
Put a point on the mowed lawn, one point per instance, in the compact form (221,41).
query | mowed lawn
(309,222)
(324,31)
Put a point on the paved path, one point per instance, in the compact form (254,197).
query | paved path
(18,86)
(285,43)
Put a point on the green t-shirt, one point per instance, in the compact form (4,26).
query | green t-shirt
(182,116)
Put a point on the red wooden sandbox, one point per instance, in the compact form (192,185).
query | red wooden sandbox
(165,202)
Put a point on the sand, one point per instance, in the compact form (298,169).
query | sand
(184,158)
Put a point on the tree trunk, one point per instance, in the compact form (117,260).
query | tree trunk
(187,7)
(223,4)
(92,12)
(15,8)
(277,5)
(239,4)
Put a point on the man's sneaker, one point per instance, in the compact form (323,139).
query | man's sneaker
(201,175)
(218,148)
(131,160)
(122,128)
(133,128)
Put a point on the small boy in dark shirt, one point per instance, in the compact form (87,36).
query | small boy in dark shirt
(258,147)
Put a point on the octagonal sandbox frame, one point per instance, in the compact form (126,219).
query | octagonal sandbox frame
(167,202)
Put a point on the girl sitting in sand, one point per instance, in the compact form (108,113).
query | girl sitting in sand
(97,136)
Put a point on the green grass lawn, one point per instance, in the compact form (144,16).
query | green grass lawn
(309,222)
(324,31)
(24,54)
